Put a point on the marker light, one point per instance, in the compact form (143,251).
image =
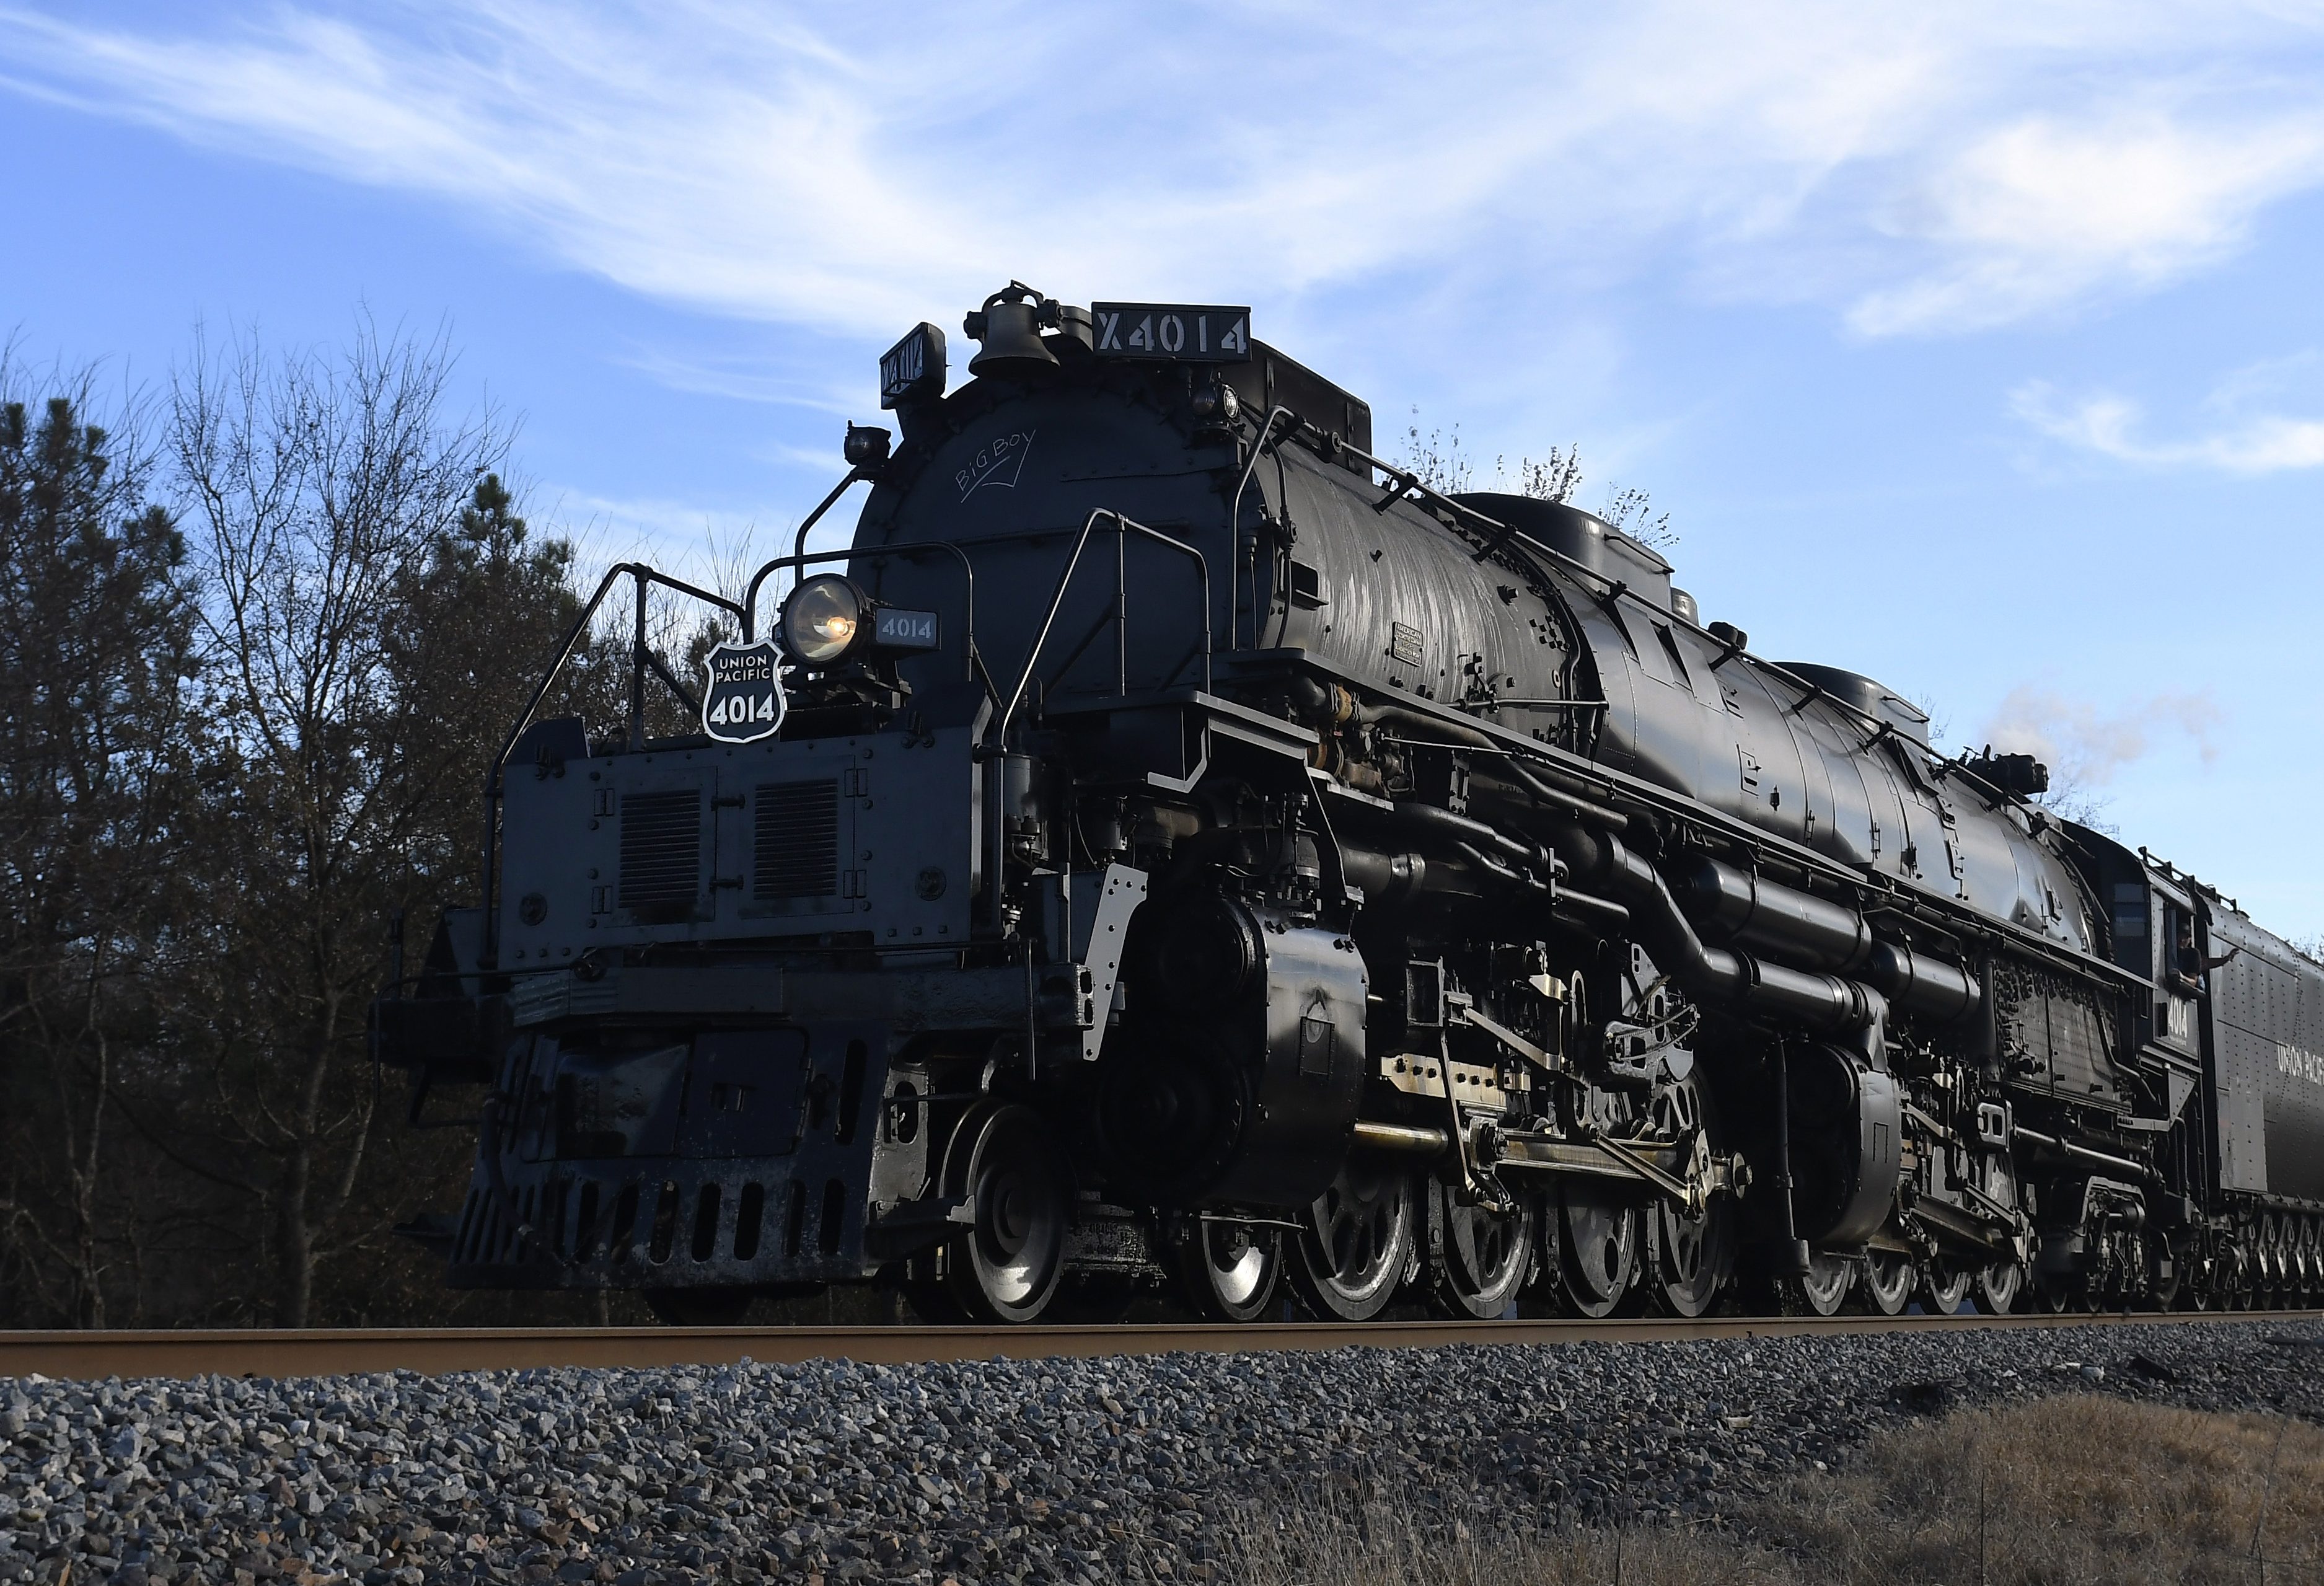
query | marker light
(823,619)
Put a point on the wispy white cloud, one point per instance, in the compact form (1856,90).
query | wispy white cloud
(679,535)
(739,378)
(2234,440)
(1919,172)
(2046,211)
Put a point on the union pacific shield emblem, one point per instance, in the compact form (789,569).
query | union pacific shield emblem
(743,701)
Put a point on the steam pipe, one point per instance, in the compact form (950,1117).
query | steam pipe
(1402,1137)
(1329,705)
(1734,905)
(1737,906)
(1335,706)
(1546,785)
(1714,974)
(2088,1157)
(1611,915)
(1385,878)
(1944,992)
(1460,828)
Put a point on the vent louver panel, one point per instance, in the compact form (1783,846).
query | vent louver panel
(795,847)
(661,850)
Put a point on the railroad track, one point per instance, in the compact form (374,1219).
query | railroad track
(430,1350)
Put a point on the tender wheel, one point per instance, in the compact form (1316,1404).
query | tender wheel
(2234,1281)
(1005,1266)
(1357,1242)
(1943,1287)
(1230,1270)
(2197,1274)
(699,1307)
(1483,1256)
(1821,1290)
(1598,1240)
(1886,1281)
(1999,1287)
(1692,1255)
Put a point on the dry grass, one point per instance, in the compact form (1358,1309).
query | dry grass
(2056,1493)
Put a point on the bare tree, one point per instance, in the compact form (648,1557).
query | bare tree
(1632,511)
(315,486)
(1555,479)
(1437,460)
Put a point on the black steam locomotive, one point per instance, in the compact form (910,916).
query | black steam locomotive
(1172,844)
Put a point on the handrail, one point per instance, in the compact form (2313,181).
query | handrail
(798,562)
(641,659)
(798,550)
(1123,526)
(996,743)
(1234,527)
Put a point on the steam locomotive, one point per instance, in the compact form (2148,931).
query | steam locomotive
(1173,845)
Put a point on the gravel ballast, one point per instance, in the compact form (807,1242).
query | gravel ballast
(1098,1469)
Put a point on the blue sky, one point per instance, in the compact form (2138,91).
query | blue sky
(1977,347)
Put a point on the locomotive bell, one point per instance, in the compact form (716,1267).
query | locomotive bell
(1011,336)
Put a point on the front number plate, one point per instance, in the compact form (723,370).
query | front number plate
(1182,333)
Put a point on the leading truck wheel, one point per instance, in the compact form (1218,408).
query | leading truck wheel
(1004,1267)
(1356,1242)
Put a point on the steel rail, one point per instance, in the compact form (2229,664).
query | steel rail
(326,1352)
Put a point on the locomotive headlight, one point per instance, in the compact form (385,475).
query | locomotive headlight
(823,619)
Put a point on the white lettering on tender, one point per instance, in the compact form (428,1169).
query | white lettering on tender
(2300,1064)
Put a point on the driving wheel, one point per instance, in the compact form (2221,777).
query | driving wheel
(1229,1270)
(1821,1290)
(1886,1281)
(1598,1240)
(1356,1242)
(1998,1286)
(1691,1253)
(1482,1256)
(1943,1286)
(1004,1267)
